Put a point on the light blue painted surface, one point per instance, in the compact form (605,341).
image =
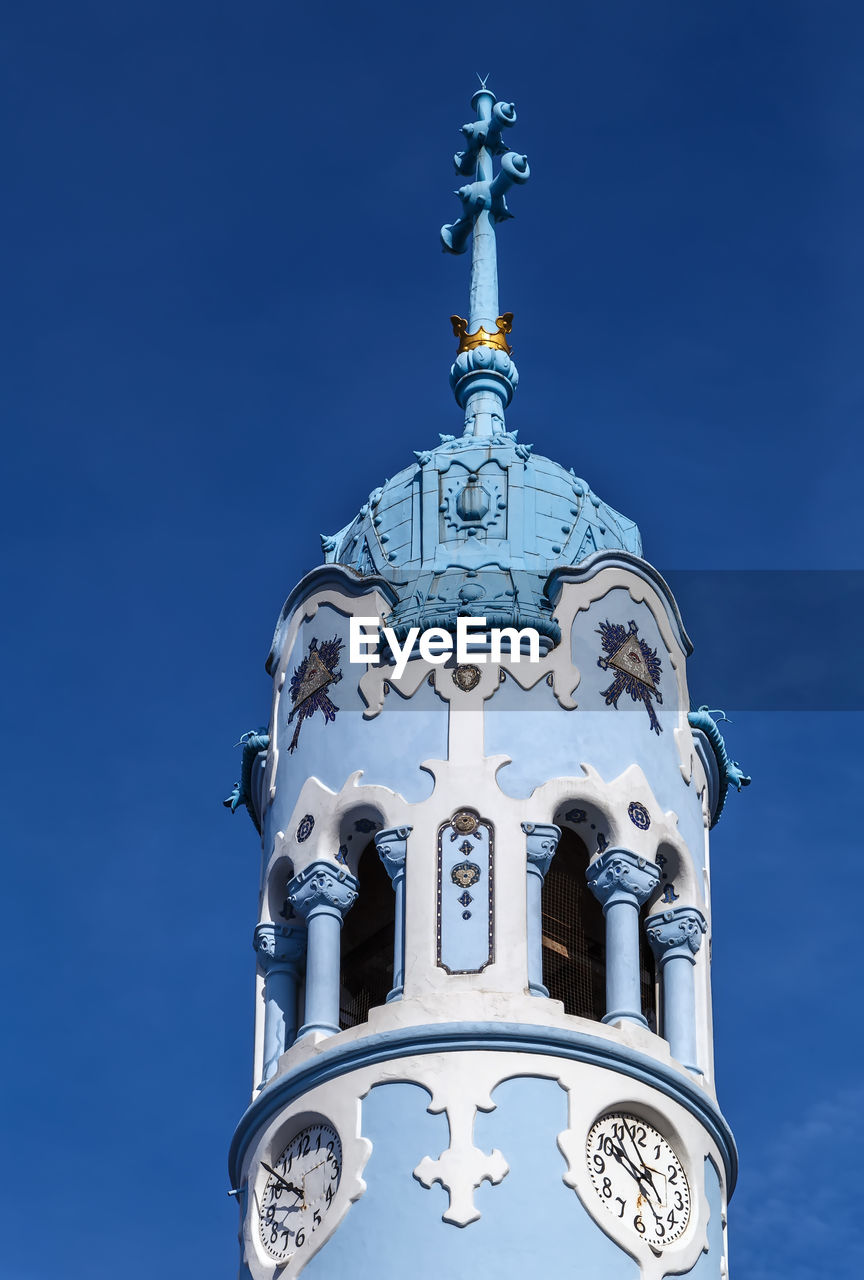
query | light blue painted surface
(549,518)
(531,1223)
(388,748)
(342,1056)
(518,724)
(466,913)
(708,1265)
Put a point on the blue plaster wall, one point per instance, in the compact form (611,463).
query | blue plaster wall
(708,1265)
(545,741)
(531,1224)
(388,748)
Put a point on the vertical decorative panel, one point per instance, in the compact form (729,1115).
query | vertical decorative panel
(466,888)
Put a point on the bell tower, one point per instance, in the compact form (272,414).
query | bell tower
(483,1037)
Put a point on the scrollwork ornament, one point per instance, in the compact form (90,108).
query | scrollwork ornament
(392,846)
(618,873)
(677,931)
(541,843)
(278,946)
(323,887)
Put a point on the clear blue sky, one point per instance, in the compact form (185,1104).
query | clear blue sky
(220,221)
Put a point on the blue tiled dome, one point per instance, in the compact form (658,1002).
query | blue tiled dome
(475,527)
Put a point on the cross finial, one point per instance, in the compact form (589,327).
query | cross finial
(483,347)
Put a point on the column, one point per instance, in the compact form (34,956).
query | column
(323,894)
(675,937)
(622,882)
(280,949)
(541,842)
(392,846)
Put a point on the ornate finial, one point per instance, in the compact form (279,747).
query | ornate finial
(484,376)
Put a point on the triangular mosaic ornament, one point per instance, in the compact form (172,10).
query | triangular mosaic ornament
(316,672)
(630,659)
(636,665)
(315,677)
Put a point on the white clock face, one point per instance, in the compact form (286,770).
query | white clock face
(638,1178)
(300,1188)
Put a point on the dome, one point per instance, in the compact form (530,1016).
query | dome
(478,504)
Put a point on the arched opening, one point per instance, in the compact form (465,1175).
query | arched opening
(367,942)
(574,935)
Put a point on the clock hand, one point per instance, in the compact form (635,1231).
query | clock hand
(279,1178)
(625,1161)
(646,1174)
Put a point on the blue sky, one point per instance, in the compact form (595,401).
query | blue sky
(226,320)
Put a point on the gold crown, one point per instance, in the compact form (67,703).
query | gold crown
(482,338)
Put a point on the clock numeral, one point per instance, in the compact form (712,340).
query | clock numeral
(607,1189)
(639,1224)
(673,1174)
(670,1218)
(305,1145)
(317,1218)
(623,1204)
(599,1164)
(657,1152)
(679,1201)
(641,1141)
(328,1195)
(301,1238)
(659,1229)
(608,1146)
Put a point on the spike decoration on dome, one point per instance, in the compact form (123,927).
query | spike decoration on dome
(483,376)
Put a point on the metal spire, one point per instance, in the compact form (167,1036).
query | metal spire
(484,376)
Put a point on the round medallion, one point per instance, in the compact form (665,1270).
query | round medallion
(638,815)
(465,822)
(301,1185)
(304,828)
(465,874)
(466,677)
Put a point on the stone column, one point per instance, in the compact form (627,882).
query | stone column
(392,846)
(622,881)
(541,842)
(675,937)
(280,949)
(323,894)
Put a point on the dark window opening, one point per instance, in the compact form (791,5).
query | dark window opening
(574,935)
(367,942)
(647,974)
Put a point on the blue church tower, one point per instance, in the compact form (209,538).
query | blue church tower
(483,1036)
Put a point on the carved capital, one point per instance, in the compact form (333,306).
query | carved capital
(392,846)
(322,887)
(541,841)
(619,875)
(279,946)
(676,932)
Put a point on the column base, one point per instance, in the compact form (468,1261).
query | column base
(395,994)
(624,1015)
(325,1028)
(537,989)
